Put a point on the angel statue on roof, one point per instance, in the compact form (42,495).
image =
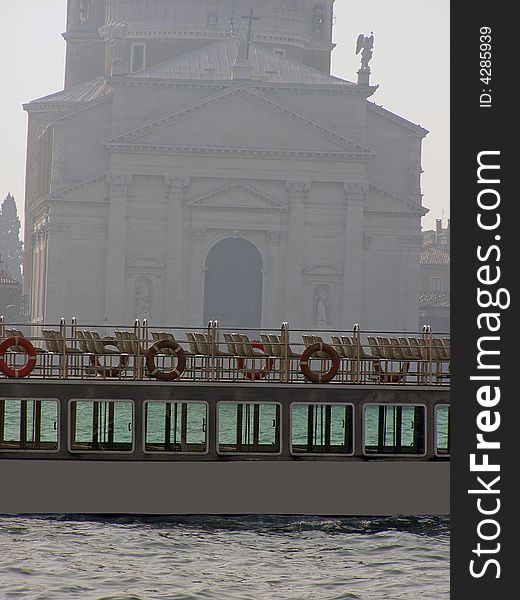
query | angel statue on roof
(365,45)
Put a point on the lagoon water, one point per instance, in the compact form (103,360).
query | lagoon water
(223,558)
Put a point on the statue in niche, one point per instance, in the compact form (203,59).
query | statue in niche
(143,298)
(322,306)
(318,20)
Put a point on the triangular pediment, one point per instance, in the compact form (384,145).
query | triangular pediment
(380,199)
(240,119)
(86,190)
(236,196)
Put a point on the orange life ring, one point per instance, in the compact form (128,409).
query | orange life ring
(254,375)
(314,376)
(31,360)
(165,375)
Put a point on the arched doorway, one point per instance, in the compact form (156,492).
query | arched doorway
(233,284)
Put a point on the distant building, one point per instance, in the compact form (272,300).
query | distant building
(11,248)
(187,173)
(434,295)
(10,297)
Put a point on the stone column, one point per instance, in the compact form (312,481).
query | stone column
(272,305)
(177,188)
(353,264)
(195,303)
(117,40)
(409,277)
(58,157)
(119,186)
(39,236)
(297,193)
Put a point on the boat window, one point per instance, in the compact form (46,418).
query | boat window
(175,426)
(248,427)
(442,430)
(322,428)
(101,425)
(28,424)
(394,429)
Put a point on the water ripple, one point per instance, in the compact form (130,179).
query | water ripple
(66,557)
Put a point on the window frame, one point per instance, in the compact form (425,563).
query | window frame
(136,45)
(438,454)
(173,452)
(58,437)
(98,452)
(440,281)
(242,452)
(393,454)
(322,454)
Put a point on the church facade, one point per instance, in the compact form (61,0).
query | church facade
(201,165)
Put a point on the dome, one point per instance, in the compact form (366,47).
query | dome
(291,22)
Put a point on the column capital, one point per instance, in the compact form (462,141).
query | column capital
(355,193)
(119,184)
(298,190)
(274,237)
(197,235)
(177,186)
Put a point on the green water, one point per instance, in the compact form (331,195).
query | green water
(238,425)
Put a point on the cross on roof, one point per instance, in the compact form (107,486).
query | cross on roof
(250,18)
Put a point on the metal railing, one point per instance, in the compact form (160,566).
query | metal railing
(215,354)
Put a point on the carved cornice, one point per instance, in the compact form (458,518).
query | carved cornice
(236,152)
(222,84)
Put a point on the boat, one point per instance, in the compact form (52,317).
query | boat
(137,420)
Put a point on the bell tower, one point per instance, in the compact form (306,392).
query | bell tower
(85,59)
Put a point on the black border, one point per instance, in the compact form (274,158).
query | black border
(473,130)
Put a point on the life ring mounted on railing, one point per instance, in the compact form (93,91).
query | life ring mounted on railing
(172,374)
(104,371)
(31,357)
(319,377)
(255,375)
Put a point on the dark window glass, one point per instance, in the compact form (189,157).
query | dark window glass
(442,428)
(137,58)
(28,424)
(394,429)
(248,427)
(322,428)
(175,427)
(101,425)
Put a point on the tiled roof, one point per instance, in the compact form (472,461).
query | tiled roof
(6,280)
(215,62)
(84,92)
(433,255)
(434,299)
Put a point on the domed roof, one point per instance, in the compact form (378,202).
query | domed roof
(289,21)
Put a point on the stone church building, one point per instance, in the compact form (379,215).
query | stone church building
(199,164)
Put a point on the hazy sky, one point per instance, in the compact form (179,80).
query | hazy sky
(411,65)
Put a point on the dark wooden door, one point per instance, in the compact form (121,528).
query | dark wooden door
(233,284)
